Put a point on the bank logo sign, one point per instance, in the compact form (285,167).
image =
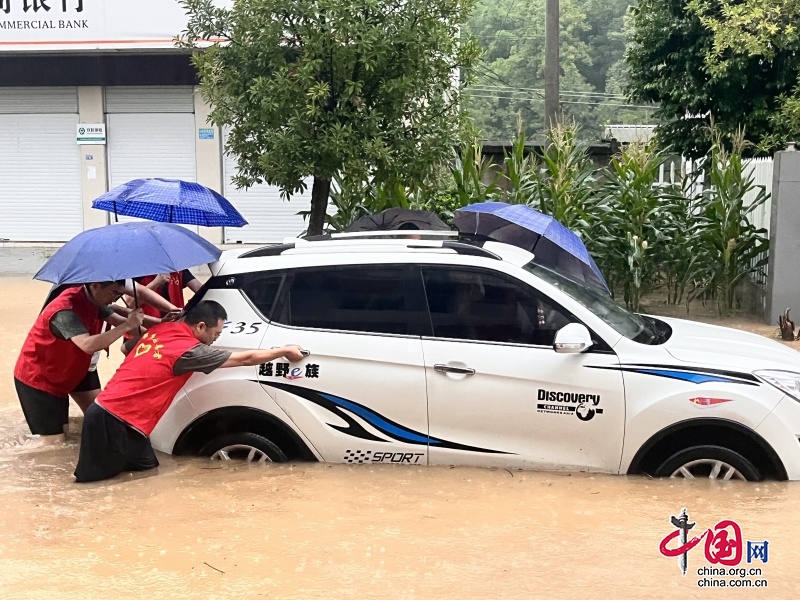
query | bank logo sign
(46,25)
(91,134)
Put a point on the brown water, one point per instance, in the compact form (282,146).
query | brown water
(197,530)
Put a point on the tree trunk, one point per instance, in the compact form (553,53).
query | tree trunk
(320,192)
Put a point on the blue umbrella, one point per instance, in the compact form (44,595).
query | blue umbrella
(553,245)
(127,250)
(170,201)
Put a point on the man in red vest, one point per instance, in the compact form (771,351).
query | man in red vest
(116,427)
(55,358)
(167,287)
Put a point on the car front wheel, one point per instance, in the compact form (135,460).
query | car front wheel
(708,462)
(246,446)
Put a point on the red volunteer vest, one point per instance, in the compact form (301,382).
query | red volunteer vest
(174,290)
(52,365)
(142,389)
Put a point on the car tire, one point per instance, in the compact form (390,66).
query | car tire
(250,447)
(712,462)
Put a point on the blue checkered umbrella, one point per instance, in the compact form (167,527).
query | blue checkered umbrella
(170,201)
(553,245)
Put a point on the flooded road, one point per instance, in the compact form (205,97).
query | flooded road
(195,529)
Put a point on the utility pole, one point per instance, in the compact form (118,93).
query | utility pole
(552,109)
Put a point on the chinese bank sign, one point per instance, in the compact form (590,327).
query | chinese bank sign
(47,25)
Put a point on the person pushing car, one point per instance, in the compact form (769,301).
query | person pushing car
(117,426)
(55,359)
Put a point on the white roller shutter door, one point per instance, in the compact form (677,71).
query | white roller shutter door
(150,134)
(40,177)
(270,217)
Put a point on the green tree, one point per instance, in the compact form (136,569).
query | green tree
(365,89)
(762,30)
(667,60)
(605,37)
(510,80)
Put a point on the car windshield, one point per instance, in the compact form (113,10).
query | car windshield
(632,326)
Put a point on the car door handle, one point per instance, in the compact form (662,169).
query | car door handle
(449,369)
(303,351)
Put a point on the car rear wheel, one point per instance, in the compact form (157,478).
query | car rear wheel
(249,447)
(708,462)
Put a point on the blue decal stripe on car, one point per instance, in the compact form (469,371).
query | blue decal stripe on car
(697,376)
(685,376)
(338,406)
(720,372)
(380,423)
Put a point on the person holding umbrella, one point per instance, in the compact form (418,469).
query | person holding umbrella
(169,201)
(116,429)
(51,366)
(55,358)
(87,392)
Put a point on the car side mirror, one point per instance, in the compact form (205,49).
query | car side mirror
(572,339)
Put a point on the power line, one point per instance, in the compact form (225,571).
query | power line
(539,99)
(512,89)
(508,37)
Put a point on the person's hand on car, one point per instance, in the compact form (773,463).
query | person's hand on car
(293,353)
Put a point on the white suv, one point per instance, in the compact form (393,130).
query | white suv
(440,352)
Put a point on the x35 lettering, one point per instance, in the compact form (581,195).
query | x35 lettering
(242,328)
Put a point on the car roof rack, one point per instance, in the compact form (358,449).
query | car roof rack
(274,250)
(395,234)
(470,249)
(465,246)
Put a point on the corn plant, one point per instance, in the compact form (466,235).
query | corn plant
(627,213)
(733,243)
(679,253)
(564,181)
(471,179)
(520,172)
(471,171)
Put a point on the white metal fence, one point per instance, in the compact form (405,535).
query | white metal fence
(760,168)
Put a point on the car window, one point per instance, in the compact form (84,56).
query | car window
(478,305)
(632,326)
(367,298)
(262,289)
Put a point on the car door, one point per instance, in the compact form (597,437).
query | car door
(360,397)
(498,393)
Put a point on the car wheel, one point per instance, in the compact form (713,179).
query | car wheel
(249,447)
(708,462)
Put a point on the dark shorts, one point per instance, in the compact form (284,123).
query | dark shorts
(45,413)
(109,446)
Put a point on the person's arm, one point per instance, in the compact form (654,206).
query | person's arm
(250,358)
(194,285)
(115,319)
(92,343)
(159,280)
(122,312)
(144,295)
(154,285)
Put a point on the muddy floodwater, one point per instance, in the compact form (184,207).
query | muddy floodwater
(194,529)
